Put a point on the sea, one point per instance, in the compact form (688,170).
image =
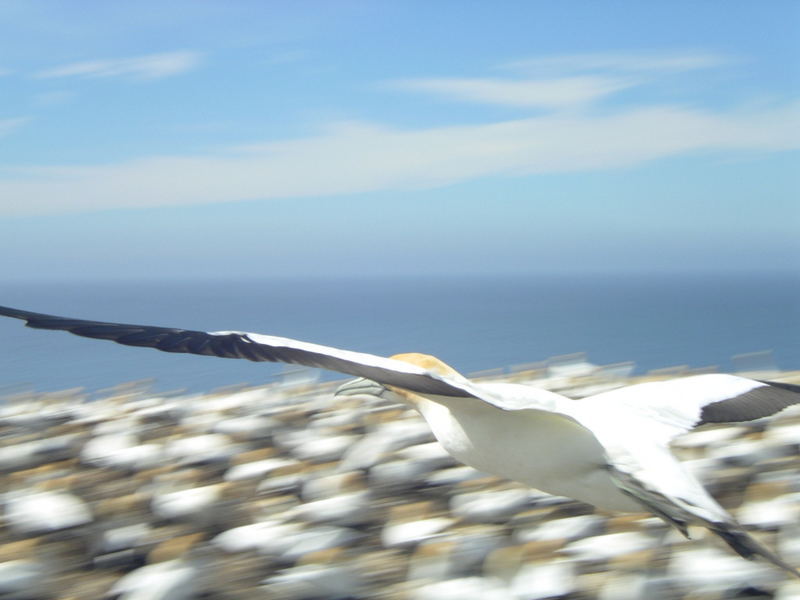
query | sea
(655,320)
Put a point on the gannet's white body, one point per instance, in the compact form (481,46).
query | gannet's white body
(610,450)
(521,448)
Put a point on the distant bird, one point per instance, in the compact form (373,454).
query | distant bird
(610,450)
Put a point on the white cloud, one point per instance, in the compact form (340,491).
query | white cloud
(563,81)
(53,98)
(642,62)
(354,157)
(147,67)
(564,92)
(9,125)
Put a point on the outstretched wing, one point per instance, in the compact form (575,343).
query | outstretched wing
(659,483)
(636,423)
(254,347)
(682,404)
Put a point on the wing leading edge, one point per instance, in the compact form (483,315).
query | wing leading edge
(253,347)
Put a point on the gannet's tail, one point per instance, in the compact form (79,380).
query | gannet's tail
(746,545)
(682,501)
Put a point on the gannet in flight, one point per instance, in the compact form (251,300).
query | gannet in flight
(610,450)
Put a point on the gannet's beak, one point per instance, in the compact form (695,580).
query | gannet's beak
(362,387)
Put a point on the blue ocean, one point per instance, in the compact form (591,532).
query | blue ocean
(656,320)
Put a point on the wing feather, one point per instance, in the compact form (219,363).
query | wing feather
(681,500)
(680,405)
(762,401)
(254,347)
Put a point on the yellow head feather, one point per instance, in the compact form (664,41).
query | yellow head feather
(426,361)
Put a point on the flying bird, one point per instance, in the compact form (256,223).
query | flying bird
(610,450)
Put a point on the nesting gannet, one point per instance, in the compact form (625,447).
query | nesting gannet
(610,450)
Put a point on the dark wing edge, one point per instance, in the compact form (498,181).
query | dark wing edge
(253,347)
(759,402)
(679,513)
(162,338)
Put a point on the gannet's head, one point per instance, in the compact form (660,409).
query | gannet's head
(426,361)
(429,363)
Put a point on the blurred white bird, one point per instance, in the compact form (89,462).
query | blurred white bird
(610,450)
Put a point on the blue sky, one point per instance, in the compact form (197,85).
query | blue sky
(334,138)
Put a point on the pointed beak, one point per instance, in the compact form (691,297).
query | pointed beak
(361,387)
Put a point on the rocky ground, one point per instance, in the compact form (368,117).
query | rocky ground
(281,492)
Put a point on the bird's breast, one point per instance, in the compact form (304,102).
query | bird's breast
(543,450)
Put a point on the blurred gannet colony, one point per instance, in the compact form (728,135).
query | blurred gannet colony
(284,492)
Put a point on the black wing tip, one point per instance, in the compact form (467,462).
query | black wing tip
(37,320)
(791,387)
(765,400)
(23,315)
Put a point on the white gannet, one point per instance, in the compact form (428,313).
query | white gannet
(610,450)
